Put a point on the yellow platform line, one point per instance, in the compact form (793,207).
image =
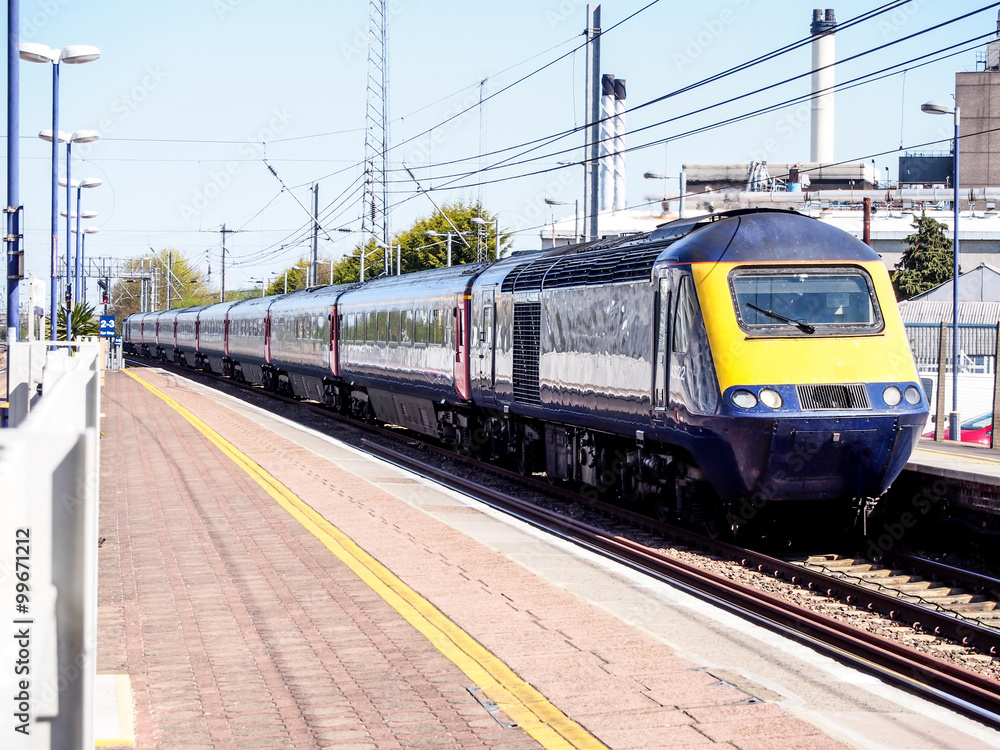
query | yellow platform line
(527,707)
(126,727)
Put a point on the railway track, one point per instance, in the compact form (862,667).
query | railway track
(854,582)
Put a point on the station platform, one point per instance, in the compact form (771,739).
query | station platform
(956,460)
(264,585)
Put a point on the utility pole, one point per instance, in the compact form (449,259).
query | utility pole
(170,272)
(313,269)
(222,297)
(15,265)
(591,185)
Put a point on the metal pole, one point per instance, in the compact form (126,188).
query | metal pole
(13,158)
(70,301)
(78,263)
(313,269)
(449,249)
(170,272)
(593,114)
(54,282)
(222,298)
(286,282)
(954,421)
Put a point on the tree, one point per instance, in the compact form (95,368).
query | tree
(186,288)
(298,276)
(927,261)
(84,321)
(420,252)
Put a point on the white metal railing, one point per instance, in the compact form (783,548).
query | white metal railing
(49,474)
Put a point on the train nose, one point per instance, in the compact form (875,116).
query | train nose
(830,458)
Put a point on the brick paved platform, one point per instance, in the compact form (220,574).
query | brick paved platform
(240,629)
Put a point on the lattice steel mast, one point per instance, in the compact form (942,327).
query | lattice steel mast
(375,209)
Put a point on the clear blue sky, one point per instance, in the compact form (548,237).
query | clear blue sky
(191,96)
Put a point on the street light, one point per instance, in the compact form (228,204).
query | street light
(87,182)
(954,425)
(483,224)
(681,188)
(73,55)
(278,273)
(78,136)
(448,235)
(81,242)
(576,217)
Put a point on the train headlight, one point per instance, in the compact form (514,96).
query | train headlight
(892,395)
(912,395)
(743,399)
(770,398)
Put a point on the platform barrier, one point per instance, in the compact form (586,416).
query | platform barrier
(49,473)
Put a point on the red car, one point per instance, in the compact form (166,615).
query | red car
(975,430)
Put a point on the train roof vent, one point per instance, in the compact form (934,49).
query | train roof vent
(600,267)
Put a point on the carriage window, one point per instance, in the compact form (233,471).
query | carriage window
(394,326)
(382,321)
(486,328)
(420,327)
(684,315)
(437,327)
(406,333)
(349,332)
(804,301)
(370,327)
(449,326)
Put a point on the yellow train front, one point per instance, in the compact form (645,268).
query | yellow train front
(818,394)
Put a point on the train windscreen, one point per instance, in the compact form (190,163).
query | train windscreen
(805,301)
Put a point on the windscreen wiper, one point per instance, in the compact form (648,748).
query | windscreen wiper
(778,316)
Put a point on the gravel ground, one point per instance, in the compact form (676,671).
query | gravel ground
(984,665)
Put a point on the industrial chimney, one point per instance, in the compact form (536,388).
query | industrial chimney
(607,149)
(824,24)
(619,144)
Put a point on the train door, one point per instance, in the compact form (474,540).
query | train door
(462,345)
(336,321)
(267,337)
(483,356)
(661,349)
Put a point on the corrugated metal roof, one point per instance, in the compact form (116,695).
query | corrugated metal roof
(914,311)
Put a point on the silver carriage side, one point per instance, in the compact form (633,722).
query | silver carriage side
(247,341)
(186,336)
(132,333)
(212,353)
(303,344)
(404,350)
(149,331)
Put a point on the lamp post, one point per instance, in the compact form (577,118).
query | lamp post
(576,218)
(73,55)
(90,182)
(81,241)
(278,273)
(79,289)
(954,423)
(681,188)
(79,136)
(448,236)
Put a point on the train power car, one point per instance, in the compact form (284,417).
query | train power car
(711,368)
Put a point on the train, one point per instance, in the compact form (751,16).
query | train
(717,369)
